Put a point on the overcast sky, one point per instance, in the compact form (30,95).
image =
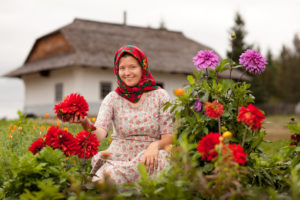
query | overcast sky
(270,24)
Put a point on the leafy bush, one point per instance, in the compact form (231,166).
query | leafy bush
(30,173)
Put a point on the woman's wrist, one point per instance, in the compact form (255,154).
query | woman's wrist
(85,123)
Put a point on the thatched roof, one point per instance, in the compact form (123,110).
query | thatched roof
(93,44)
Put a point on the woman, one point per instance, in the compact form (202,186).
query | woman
(141,129)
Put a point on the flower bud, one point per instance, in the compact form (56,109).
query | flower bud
(233,36)
(179,92)
(227,135)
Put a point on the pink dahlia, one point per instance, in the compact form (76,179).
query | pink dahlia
(206,59)
(253,61)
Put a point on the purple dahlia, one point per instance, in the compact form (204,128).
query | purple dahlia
(197,105)
(253,61)
(206,59)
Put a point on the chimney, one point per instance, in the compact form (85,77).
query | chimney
(124,18)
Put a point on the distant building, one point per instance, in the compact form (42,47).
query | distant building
(79,58)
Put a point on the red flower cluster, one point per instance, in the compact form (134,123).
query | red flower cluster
(295,139)
(214,109)
(73,105)
(37,145)
(207,149)
(63,140)
(251,116)
(88,144)
(207,145)
(238,153)
(84,144)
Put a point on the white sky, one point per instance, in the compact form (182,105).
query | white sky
(270,24)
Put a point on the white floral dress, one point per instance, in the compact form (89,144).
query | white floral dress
(134,128)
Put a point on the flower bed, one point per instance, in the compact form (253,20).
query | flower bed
(217,154)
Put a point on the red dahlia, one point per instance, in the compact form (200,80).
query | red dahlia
(238,153)
(207,145)
(251,116)
(295,139)
(88,144)
(61,139)
(37,146)
(72,105)
(214,109)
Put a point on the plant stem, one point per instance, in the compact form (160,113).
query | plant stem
(219,124)
(83,159)
(206,73)
(241,76)
(231,58)
(244,137)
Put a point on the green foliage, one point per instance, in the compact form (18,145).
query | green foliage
(47,191)
(27,172)
(229,93)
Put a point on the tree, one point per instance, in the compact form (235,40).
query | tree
(238,44)
(288,79)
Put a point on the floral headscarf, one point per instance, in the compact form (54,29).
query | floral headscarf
(147,82)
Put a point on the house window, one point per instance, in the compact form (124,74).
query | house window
(58,92)
(161,84)
(105,88)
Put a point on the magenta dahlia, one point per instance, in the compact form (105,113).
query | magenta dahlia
(253,61)
(206,59)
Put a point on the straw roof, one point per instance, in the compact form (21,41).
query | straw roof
(93,44)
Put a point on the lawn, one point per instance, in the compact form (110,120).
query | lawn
(19,140)
(276,126)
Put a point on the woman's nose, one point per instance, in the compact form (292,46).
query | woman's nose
(126,71)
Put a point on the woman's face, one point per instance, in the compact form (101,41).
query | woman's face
(130,70)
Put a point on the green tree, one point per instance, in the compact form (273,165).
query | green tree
(264,86)
(288,79)
(238,44)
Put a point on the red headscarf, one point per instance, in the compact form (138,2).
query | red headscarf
(147,82)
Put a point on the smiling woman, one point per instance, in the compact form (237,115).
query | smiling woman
(130,70)
(142,130)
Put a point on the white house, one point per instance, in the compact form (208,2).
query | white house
(79,58)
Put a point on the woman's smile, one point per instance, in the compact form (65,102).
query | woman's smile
(130,70)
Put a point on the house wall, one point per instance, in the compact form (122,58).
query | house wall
(40,91)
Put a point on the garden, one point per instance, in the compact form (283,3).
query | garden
(221,149)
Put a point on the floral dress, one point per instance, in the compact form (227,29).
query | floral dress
(134,128)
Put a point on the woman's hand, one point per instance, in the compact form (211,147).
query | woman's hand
(150,158)
(78,119)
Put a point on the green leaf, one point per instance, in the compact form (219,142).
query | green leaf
(191,79)
(143,171)
(167,105)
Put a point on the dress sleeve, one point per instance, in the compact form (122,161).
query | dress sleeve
(166,121)
(105,114)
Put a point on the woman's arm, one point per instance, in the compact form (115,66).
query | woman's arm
(150,158)
(165,141)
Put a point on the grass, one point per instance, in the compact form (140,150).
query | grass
(276,126)
(17,135)
(18,141)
